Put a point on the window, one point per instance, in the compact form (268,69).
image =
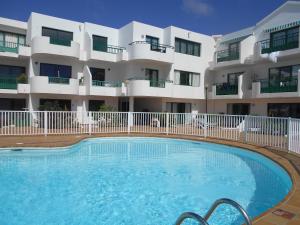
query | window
(282,74)
(58,37)
(289,37)
(98,74)
(94,105)
(152,74)
(53,70)
(187,47)
(178,107)
(186,78)
(238,108)
(99,43)
(233,78)
(12,104)
(284,110)
(9,42)
(152,40)
(55,104)
(11,71)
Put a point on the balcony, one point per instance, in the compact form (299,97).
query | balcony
(13,86)
(14,49)
(142,50)
(110,53)
(290,85)
(264,88)
(278,45)
(226,89)
(229,91)
(145,87)
(106,88)
(8,83)
(234,56)
(47,46)
(228,55)
(271,49)
(54,85)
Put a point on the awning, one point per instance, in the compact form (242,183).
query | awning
(237,39)
(283,27)
(237,36)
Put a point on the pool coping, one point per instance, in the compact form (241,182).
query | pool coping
(287,212)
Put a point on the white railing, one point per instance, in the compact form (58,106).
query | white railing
(280,133)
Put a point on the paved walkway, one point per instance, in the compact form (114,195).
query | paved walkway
(285,213)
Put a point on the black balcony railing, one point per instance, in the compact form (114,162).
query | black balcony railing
(228,55)
(154,47)
(226,89)
(287,85)
(280,44)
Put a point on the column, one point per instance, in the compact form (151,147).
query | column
(131,104)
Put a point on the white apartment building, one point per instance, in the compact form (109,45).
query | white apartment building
(81,66)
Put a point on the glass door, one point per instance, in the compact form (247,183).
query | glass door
(153,76)
(234,48)
(154,42)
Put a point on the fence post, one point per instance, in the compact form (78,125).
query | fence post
(167,123)
(90,123)
(128,122)
(246,125)
(205,125)
(289,136)
(45,123)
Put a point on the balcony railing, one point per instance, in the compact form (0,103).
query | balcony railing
(154,47)
(64,42)
(58,80)
(153,83)
(9,47)
(107,83)
(228,55)
(8,83)
(226,89)
(280,44)
(289,85)
(109,48)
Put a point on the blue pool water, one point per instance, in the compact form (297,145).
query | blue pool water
(134,181)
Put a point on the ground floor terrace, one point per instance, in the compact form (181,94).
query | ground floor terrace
(277,107)
(287,212)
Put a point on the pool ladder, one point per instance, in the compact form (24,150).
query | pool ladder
(203,220)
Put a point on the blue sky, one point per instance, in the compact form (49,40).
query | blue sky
(204,16)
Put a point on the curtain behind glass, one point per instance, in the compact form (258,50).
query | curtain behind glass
(196,80)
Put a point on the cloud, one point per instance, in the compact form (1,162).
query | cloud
(197,7)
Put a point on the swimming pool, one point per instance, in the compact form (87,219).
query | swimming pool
(135,181)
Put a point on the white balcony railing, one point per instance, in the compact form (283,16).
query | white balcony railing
(280,133)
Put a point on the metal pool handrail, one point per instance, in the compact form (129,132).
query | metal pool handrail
(190,215)
(203,221)
(228,202)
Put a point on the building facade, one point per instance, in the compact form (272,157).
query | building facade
(51,63)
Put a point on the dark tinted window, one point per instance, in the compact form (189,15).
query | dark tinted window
(11,71)
(53,70)
(99,43)
(187,47)
(58,37)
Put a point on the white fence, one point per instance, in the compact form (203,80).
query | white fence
(281,133)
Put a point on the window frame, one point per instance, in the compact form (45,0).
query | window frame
(57,36)
(105,46)
(180,43)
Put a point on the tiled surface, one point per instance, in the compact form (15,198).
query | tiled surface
(290,162)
